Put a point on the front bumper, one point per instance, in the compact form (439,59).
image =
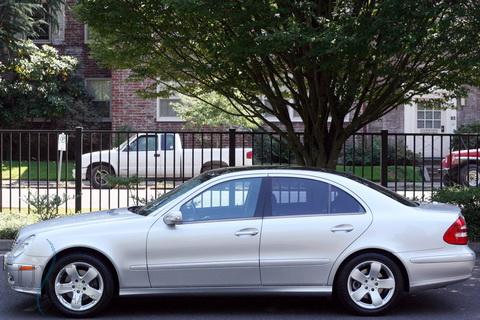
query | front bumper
(22,276)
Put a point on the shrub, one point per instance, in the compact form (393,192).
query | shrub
(269,149)
(468,199)
(352,153)
(467,142)
(11,222)
(45,206)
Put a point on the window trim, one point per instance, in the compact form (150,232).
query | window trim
(259,209)
(50,33)
(85,80)
(268,207)
(166,119)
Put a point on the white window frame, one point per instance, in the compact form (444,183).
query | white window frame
(103,79)
(421,108)
(44,41)
(166,119)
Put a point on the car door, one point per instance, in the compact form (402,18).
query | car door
(217,242)
(138,157)
(307,224)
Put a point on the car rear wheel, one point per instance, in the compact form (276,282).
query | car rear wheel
(369,284)
(80,285)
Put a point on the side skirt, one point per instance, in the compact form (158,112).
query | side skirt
(321,290)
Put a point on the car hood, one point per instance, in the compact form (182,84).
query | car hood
(84,219)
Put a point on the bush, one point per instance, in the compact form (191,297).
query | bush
(468,199)
(371,152)
(467,142)
(45,206)
(10,223)
(269,149)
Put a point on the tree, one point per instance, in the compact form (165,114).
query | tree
(18,21)
(325,59)
(42,84)
(199,113)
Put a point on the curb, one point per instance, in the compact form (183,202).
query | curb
(5,245)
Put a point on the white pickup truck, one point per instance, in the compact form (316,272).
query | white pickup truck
(156,155)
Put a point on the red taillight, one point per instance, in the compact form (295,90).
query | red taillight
(457,233)
(249,154)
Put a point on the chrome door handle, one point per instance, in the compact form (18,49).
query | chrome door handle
(342,227)
(246,232)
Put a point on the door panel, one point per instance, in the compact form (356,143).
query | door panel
(309,224)
(204,254)
(216,245)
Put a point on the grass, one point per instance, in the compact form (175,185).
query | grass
(42,170)
(373,173)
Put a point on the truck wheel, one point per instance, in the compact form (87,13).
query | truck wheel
(81,286)
(470,175)
(98,176)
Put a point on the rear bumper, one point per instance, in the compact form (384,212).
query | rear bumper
(432,269)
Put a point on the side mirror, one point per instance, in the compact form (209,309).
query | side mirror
(173,218)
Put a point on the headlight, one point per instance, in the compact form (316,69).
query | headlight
(20,247)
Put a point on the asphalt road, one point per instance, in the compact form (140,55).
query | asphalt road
(461,301)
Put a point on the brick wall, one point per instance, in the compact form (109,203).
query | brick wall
(470,112)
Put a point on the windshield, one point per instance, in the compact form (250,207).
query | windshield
(171,195)
(389,193)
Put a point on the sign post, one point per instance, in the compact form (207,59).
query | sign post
(61,147)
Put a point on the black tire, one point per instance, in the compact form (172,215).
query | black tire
(97,175)
(109,291)
(343,283)
(470,175)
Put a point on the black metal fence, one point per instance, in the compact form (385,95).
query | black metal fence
(93,170)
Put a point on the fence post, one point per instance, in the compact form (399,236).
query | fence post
(78,168)
(231,147)
(384,159)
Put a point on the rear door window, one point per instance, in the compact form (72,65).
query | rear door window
(300,196)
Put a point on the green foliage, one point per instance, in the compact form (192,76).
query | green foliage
(122,182)
(324,59)
(470,139)
(216,111)
(40,83)
(45,206)
(468,199)
(353,153)
(17,21)
(269,149)
(8,233)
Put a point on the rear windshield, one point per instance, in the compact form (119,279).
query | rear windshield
(389,193)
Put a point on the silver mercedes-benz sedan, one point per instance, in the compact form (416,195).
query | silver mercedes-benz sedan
(248,230)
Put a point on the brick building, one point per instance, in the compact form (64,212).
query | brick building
(120,106)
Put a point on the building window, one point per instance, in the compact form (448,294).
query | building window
(101,92)
(428,118)
(42,26)
(165,110)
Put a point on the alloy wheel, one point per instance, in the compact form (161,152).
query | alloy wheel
(79,286)
(371,285)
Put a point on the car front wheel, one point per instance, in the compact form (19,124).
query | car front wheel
(80,286)
(369,284)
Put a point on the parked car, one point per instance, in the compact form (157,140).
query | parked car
(248,230)
(160,155)
(462,167)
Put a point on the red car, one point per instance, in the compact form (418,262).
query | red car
(462,167)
